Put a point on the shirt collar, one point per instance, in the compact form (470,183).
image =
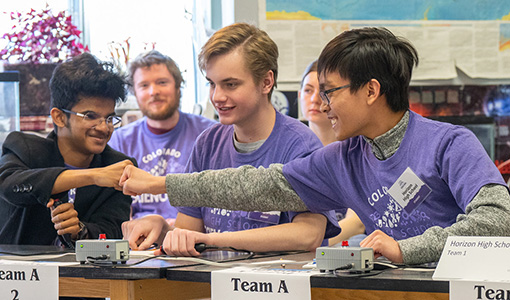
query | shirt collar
(385,145)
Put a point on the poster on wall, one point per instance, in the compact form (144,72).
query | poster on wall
(471,35)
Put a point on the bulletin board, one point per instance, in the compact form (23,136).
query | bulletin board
(471,35)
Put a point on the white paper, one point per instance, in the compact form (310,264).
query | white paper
(28,280)
(475,290)
(261,283)
(475,258)
(480,49)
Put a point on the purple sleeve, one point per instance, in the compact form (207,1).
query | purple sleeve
(311,178)
(466,171)
(195,212)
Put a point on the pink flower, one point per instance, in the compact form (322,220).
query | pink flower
(41,36)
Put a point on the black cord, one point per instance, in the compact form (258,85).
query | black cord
(351,274)
(345,267)
(91,261)
(201,247)
(207,247)
(361,274)
(66,240)
(102,257)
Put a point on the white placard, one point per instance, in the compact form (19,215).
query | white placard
(409,190)
(28,281)
(261,283)
(476,290)
(475,258)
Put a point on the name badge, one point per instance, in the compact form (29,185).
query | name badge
(271,217)
(409,190)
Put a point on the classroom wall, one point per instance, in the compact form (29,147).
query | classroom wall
(444,88)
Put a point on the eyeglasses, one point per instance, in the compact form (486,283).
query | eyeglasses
(95,120)
(324,94)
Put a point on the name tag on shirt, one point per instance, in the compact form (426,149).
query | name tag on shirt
(271,217)
(409,190)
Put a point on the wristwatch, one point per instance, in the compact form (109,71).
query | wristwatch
(83,233)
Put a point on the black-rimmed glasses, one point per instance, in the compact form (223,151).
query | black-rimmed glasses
(324,94)
(95,120)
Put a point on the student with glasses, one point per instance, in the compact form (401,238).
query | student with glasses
(310,102)
(412,181)
(95,120)
(64,185)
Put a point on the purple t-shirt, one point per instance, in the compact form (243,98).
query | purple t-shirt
(215,149)
(448,161)
(158,154)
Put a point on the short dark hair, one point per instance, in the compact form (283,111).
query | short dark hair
(360,55)
(154,57)
(85,76)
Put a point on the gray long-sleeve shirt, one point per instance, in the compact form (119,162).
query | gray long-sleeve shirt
(265,189)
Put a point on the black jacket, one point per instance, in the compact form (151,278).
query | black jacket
(29,166)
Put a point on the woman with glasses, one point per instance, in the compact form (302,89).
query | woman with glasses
(61,188)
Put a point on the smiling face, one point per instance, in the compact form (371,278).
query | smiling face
(347,112)
(79,139)
(233,92)
(157,96)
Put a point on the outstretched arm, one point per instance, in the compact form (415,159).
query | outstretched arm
(244,188)
(106,177)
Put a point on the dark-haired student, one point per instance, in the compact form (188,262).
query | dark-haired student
(353,229)
(73,164)
(412,181)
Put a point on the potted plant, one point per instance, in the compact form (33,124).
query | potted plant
(36,43)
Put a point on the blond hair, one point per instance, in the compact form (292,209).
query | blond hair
(260,51)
